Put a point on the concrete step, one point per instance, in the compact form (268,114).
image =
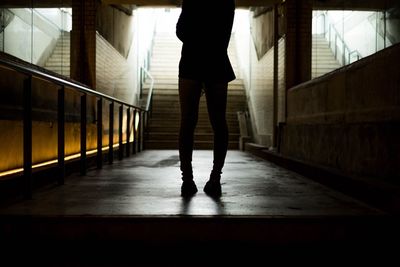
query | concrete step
(55,64)
(171,65)
(322,70)
(173,80)
(167,74)
(174,93)
(173,90)
(167,48)
(200,129)
(59,60)
(198,145)
(164,64)
(62,48)
(166,77)
(230,116)
(323,59)
(234,98)
(323,55)
(64,71)
(63,42)
(161,98)
(165,59)
(232,103)
(175,108)
(320,43)
(171,106)
(327,64)
(174,113)
(174,123)
(174,137)
(62,52)
(173,87)
(159,43)
(58,67)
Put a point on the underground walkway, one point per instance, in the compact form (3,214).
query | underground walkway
(149,184)
(137,202)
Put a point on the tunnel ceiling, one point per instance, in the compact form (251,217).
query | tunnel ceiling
(239,3)
(317,4)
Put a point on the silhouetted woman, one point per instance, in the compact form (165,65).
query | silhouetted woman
(204,27)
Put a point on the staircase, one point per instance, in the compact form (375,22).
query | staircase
(323,59)
(59,61)
(163,130)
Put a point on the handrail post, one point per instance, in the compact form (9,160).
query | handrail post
(27,137)
(120,133)
(144,125)
(141,83)
(128,132)
(329,32)
(344,52)
(134,132)
(83,133)
(61,135)
(111,134)
(100,133)
(336,47)
(140,131)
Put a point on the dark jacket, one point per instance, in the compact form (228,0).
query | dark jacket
(204,27)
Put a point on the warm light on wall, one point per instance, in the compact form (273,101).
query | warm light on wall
(47,163)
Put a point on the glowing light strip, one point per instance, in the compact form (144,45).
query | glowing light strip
(11,172)
(67,158)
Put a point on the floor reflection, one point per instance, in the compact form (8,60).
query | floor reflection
(207,205)
(219,206)
(185,205)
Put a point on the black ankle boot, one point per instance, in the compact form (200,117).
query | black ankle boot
(213,188)
(188,188)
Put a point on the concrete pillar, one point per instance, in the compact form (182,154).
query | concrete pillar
(298,41)
(276,76)
(83,42)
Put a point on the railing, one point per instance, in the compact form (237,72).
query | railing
(6,17)
(145,64)
(149,100)
(144,74)
(137,112)
(33,22)
(334,37)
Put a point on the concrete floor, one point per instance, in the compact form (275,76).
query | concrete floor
(148,184)
(131,214)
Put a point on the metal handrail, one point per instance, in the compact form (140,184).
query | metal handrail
(327,30)
(358,55)
(341,40)
(138,114)
(60,81)
(150,93)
